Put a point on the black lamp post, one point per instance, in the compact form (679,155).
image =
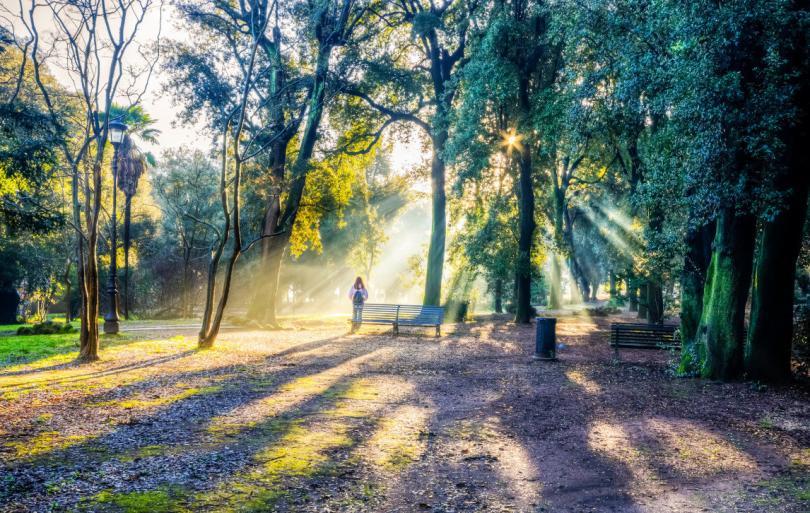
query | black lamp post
(116,136)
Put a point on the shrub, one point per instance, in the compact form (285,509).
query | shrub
(46,328)
(456,311)
(801,340)
(602,311)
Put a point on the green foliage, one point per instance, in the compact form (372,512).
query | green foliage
(46,328)
(29,159)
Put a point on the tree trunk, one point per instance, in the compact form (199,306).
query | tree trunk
(68,299)
(721,333)
(271,278)
(632,292)
(642,301)
(88,346)
(770,337)
(499,296)
(263,306)
(278,226)
(555,284)
(526,238)
(768,349)
(693,280)
(435,261)
(127,240)
(655,302)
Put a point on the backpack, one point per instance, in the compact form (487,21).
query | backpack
(358,297)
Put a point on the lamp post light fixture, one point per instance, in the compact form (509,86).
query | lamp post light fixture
(116,132)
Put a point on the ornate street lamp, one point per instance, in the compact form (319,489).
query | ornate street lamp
(117,130)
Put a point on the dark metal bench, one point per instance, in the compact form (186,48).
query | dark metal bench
(401,315)
(643,336)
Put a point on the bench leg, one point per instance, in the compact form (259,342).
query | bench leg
(396,329)
(438,330)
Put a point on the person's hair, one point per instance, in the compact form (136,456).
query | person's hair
(358,283)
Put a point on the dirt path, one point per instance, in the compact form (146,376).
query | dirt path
(315,420)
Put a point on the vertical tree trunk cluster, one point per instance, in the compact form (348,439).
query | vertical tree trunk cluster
(749,261)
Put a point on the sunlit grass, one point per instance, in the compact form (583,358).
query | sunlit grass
(129,404)
(289,395)
(150,501)
(15,349)
(400,439)
(45,442)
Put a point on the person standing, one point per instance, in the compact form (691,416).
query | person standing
(358,294)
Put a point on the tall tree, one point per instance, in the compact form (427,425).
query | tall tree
(290,98)
(91,39)
(438,41)
(768,347)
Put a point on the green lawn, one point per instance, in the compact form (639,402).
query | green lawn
(16,349)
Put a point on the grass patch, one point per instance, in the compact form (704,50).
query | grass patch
(148,451)
(164,500)
(132,404)
(17,349)
(45,442)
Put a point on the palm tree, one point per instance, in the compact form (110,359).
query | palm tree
(132,163)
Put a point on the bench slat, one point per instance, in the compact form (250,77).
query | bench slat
(402,315)
(643,336)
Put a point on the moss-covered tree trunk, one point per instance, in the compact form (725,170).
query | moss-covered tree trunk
(721,334)
(693,280)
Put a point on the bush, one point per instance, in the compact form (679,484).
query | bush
(602,311)
(457,311)
(801,340)
(46,328)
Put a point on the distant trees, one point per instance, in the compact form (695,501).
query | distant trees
(185,189)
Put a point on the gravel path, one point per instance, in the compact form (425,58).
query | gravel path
(312,419)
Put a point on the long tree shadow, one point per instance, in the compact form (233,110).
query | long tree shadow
(374,424)
(57,352)
(497,439)
(148,431)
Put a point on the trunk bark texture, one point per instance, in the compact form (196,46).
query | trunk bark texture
(721,334)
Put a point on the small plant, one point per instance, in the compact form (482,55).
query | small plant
(46,328)
(602,311)
(801,341)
